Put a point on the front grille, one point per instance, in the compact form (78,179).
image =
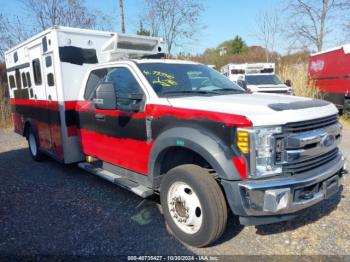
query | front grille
(310,124)
(306,165)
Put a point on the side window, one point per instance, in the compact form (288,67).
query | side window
(48,61)
(18,79)
(15,57)
(37,71)
(95,78)
(44,44)
(50,79)
(24,80)
(12,81)
(124,82)
(28,80)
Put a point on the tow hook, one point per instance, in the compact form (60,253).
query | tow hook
(307,195)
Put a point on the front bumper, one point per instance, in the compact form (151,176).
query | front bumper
(277,199)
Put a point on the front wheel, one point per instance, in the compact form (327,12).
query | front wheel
(193,205)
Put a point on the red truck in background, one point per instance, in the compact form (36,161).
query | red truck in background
(330,71)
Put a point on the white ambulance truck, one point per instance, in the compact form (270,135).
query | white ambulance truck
(257,77)
(45,74)
(180,129)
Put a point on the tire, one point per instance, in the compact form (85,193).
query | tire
(193,205)
(33,145)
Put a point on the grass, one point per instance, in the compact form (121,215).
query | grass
(5,108)
(297,73)
(345,120)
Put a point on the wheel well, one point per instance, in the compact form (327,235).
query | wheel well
(175,156)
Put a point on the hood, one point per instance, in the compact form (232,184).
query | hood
(259,107)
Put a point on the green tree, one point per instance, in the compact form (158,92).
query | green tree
(211,57)
(143,31)
(234,46)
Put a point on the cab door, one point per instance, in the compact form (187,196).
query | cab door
(116,136)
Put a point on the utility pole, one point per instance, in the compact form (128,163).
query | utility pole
(121,16)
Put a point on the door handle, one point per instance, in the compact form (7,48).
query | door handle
(100,117)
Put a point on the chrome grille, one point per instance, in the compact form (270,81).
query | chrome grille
(310,124)
(310,144)
(304,166)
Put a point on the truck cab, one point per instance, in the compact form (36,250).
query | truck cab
(181,130)
(257,77)
(154,119)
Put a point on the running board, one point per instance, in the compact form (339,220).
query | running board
(122,181)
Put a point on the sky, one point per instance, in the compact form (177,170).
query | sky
(223,19)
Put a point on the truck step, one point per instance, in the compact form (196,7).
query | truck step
(122,181)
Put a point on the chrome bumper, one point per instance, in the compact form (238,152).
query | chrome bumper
(286,195)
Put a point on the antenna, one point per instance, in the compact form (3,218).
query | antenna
(124,46)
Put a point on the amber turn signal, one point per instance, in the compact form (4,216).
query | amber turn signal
(243,141)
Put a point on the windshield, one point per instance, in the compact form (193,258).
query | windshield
(262,80)
(186,79)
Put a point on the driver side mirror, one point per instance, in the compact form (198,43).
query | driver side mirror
(106,96)
(288,83)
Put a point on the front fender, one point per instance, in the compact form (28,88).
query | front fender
(207,145)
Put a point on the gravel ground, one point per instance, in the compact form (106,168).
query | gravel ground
(52,209)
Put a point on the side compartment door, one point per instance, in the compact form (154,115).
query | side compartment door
(40,110)
(116,136)
(49,80)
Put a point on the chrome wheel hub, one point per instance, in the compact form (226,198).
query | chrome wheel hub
(185,208)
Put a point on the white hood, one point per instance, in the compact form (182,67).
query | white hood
(255,107)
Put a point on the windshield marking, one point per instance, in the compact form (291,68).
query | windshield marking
(166,81)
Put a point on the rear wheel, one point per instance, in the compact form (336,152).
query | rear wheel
(33,145)
(193,205)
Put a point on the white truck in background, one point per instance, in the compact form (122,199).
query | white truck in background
(257,77)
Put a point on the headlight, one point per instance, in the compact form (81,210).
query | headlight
(262,152)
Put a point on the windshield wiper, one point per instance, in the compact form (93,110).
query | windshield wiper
(190,92)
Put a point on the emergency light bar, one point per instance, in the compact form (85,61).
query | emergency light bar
(122,46)
(259,70)
(256,68)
